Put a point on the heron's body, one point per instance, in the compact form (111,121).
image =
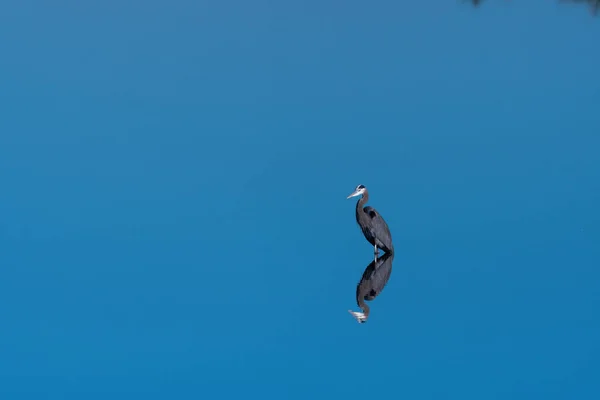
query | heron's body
(372,225)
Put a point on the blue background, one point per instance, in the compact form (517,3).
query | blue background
(174,215)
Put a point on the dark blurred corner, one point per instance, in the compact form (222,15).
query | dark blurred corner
(593,4)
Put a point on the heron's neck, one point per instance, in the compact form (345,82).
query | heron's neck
(362,201)
(364,306)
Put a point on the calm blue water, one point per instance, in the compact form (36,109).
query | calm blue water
(174,213)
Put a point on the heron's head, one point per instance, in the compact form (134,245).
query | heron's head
(360,189)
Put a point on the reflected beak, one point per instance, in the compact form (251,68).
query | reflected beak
(353,194)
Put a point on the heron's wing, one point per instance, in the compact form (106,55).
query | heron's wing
(376,219)
(375,277)
(380,276)
(371,212)
(379,225)
(370,270)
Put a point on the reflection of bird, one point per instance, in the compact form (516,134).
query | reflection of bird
(372,225)
(373,280)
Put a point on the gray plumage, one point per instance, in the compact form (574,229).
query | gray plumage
(372,225)
(374,279)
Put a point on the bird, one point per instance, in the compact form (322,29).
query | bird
(373,280)
(371,223)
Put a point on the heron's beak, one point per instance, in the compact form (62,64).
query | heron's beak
(353,194)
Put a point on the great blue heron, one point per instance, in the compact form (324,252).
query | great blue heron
(373,280)
(372,225)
